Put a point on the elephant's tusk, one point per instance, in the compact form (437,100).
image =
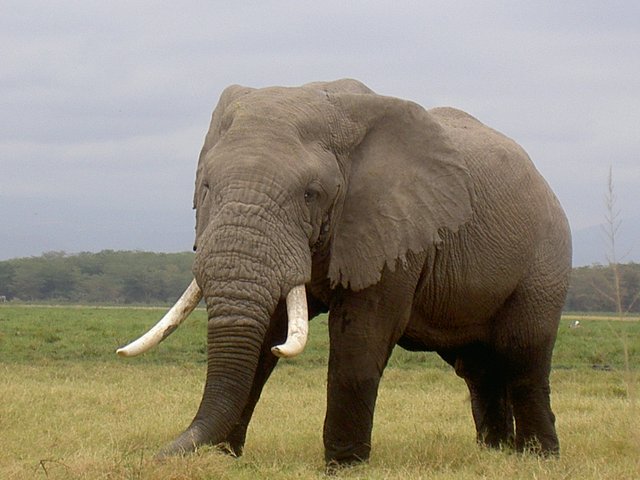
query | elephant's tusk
(165,327)
(298,326)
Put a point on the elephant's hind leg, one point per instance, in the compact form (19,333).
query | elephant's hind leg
(535,421)
(489,394)
(528,324)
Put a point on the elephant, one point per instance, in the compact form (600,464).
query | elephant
(420,228)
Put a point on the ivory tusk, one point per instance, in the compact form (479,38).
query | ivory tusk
(165,327)
(298,324)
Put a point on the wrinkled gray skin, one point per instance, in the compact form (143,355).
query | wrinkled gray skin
(422,228)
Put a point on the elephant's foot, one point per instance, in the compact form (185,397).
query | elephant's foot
(338,459)
(543,446)
(535,422)
(498,441)
(234,445)
(495,430)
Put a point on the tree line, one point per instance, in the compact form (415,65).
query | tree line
(593,288)
(133,277)
(109,277)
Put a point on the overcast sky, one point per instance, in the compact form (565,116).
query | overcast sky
(104,105)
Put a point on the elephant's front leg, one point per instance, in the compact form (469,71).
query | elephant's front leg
(363,328)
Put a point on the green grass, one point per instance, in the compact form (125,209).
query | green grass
(598,343)
(52,334)
(71,409)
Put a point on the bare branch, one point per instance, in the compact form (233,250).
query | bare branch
(633,302)
(604,294)
(612,225)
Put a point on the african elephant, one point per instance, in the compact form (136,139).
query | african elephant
(421,228)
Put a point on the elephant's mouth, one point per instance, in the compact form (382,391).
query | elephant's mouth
(323,236)
(297,330)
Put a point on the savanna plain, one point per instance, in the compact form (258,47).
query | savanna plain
(71,409)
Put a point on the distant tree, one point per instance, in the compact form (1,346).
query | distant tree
(630,281)
(7,272)
(590,288)
(104,277)
(620,291)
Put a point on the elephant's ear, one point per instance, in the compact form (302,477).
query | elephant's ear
(405,182)
(217,127)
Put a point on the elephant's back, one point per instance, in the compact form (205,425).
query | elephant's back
(482,148)
(507,186)
(517,226)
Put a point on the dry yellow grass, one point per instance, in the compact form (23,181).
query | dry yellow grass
(106,421)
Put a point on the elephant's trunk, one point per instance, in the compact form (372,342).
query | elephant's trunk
(240,339)
(234,345)
(244,271)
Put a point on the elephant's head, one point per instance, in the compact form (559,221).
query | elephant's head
(327,174)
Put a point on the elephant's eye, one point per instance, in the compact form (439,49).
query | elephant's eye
(205,191)
(311,195)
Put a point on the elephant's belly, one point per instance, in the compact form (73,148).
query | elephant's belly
(421,335)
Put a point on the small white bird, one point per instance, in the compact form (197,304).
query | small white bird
(575,324)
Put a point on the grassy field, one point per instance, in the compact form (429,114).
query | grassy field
(71,409)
